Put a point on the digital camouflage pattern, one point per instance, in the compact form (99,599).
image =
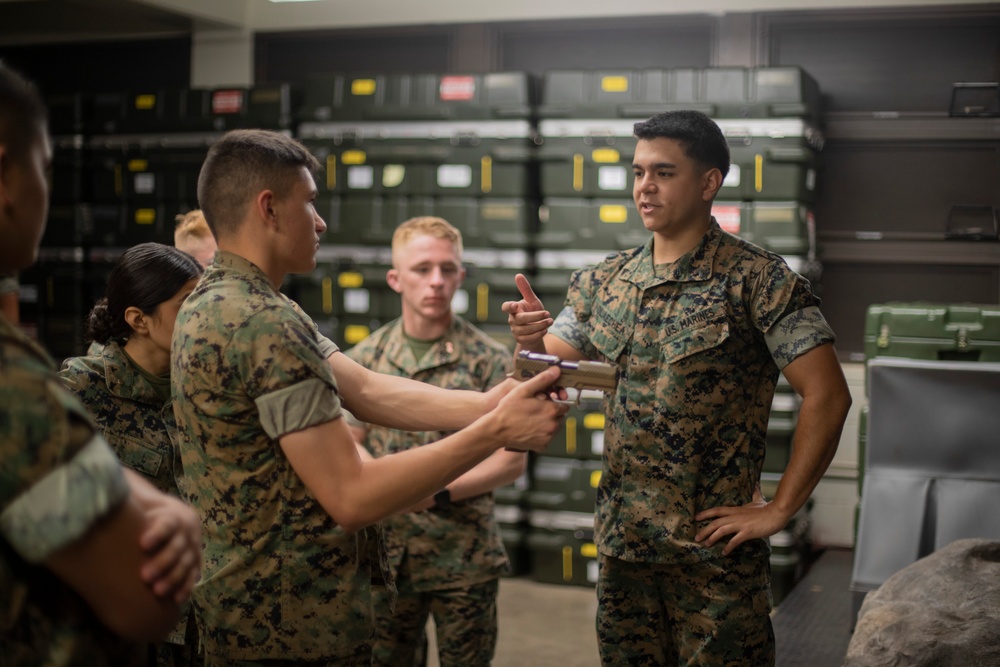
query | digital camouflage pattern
(453,548)
(57,478)
(140,427)
(698,344)
(696,376)
(137,424)
(281,580)
(717,615)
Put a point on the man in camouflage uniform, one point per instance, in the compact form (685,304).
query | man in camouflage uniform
(93,560)
(699,323)
(447,558)
(268,461)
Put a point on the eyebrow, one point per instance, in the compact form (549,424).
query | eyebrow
(658,165)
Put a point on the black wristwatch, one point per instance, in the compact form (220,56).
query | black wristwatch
(442,499)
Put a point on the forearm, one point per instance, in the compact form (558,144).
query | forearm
(500,469)
(814,445)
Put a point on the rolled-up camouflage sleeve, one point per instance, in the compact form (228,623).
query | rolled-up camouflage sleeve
(787,312)
(568,328)
(798,333)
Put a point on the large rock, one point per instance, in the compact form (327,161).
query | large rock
(942,611)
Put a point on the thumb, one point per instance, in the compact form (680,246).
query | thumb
(528,294)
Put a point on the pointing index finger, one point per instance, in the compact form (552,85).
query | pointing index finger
(528,294)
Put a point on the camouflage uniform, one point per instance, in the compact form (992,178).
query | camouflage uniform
(281,580)
(445,561)
(698,344)
(57,479)
(140,427)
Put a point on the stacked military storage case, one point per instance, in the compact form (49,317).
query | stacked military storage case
(125,164)
(397,146)
(927,332)
(770,117)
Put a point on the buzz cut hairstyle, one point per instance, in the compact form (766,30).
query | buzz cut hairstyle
(426,225)
(700,137)
(23,116)
(242,164)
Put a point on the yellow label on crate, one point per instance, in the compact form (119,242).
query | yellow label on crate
(486,177)
(614,84)
(571,435)
(137,165)
(593,421)
(613,213)
(363,87)
(350,279)
(327,289)
(482,301)
(577,172)
(498,212)
(758,172)
(588,550)
(355,333)
(331,172)
(567,563)
(595,479)
(353,157)
(145,216)
(605,155)
(145,101)
(774,214)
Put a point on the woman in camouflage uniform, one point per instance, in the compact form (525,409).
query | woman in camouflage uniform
(126,383)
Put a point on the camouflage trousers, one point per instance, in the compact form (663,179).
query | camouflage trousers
(465,619)
(710,614)
(362,659)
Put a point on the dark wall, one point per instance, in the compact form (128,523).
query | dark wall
(104,66)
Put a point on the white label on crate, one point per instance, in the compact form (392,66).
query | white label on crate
(592,571)
(454,176)
(144,184)
(810,179)
(728,217)
(733,177)
(360,177)
(357,300)
(612,178)
(460,302)
(597,443)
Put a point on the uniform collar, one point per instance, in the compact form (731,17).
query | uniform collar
(443,352)
(695,265)
(123,380)
(225,260)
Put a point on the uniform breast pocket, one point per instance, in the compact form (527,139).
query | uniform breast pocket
(695,343)
(138,455)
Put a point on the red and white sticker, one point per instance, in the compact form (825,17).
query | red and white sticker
(457,88)
(728,217)
(227,101)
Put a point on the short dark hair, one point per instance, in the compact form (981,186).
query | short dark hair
(22,112)
(144,276)
(242,164)
(699,136)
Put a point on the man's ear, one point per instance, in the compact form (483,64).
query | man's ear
(264,206)
(136,319)
(712,183)
(392,278)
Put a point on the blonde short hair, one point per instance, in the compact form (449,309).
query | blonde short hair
(426,225)
(191,225)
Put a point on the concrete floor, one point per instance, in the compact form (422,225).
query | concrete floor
(541,624)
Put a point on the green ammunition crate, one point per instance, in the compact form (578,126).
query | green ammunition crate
(787,228)
(67,225)
(589,224)
(790,549)
(487,158)
(69,113)
(153,221)
(774,160)
(781,427)
(487,289)
(489,222)
(447,97)
(339,289)
(582,432)
(952,332)
(562,549)
(348,330)
(721,92)
(367,220)
(586,158)
(563,485)
(69,183)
